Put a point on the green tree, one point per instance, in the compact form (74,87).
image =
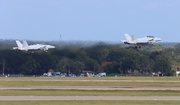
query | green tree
(163,65)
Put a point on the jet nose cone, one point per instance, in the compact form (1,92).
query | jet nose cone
(52,46)
(159,39)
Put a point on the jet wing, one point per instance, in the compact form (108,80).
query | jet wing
(144,40)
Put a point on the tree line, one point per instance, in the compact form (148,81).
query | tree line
(70,58)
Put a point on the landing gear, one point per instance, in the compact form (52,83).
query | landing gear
(29,53)
(137,47)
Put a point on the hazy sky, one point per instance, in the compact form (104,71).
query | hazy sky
(89,20)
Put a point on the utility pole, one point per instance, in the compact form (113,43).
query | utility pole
(94,69)
(3,66)
(69,71)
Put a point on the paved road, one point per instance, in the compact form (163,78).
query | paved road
(89,88)
(89,98)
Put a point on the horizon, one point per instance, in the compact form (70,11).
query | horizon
(111,42)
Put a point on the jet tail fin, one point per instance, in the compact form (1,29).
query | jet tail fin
(25,44)
(128,38)
(19,44)
(133,37)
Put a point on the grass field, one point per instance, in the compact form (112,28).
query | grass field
(148,78)
(76,102)
(91,81)
(88,93)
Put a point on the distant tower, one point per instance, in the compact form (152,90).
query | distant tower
(60,36)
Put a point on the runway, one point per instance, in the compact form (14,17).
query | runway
(18,98)
(87,88)
(88,97)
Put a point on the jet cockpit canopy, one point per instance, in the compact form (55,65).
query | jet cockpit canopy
(150,36)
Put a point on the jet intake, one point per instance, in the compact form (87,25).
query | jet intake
(126,43)
(45,48)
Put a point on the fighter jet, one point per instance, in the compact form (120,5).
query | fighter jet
(138,42)
(31,48)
